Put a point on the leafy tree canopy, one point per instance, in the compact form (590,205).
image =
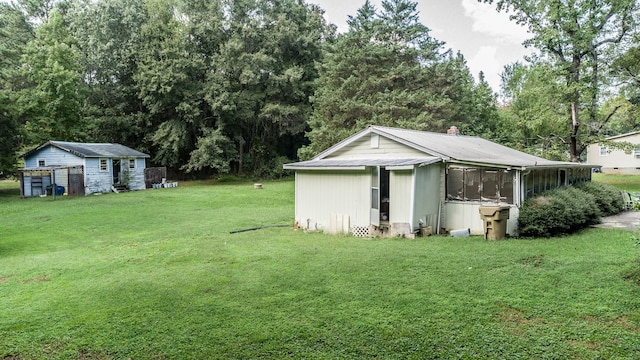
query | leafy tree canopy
(579,38)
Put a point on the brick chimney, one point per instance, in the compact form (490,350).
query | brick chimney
(453,130)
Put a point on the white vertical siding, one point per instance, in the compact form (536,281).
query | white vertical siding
(400,202)
(462,215)
(319,194)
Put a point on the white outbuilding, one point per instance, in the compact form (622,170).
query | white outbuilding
(386,181)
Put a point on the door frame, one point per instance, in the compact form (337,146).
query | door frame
(374,194)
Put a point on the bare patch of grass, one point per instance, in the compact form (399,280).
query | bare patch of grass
(37,279)
(85,354)
(583,344)
(516,321)
(537,261)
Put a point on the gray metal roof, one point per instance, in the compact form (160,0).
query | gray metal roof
(449,148)
(85,150)
(465,148)
(359,163)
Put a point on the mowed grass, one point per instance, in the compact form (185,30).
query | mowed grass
(628,182)
(156,275)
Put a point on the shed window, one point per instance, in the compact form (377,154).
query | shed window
(42,163)
(103,165)
(132,163)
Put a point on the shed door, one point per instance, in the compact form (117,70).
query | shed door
(76,181)
(116,172)
(375,196)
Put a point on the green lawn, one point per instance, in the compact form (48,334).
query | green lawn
(630,183)
(156,275)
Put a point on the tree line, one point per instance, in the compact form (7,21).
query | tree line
(210,87)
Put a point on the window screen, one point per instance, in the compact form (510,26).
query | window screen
(455,184)
(473,184)
(506,187)
(490,185)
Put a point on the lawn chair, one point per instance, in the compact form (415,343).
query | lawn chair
(628,200)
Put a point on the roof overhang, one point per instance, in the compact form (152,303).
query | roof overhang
(361,164)
(547,164)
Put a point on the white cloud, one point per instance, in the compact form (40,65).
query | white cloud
(486,60)
(487,20)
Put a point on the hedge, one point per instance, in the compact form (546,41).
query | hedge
(608,198)
(559,211)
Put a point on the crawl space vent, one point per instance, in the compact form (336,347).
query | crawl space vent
(360,231)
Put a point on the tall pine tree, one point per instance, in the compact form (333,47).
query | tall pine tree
(387,70)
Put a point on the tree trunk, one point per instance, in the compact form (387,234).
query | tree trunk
(575,127)
(240,156)
(573,80)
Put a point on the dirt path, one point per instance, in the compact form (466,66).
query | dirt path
(625,220)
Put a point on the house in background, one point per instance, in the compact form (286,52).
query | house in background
(81,168)
(616,161)
(390,181)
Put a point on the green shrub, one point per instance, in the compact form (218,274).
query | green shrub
(608,198)
(556,212)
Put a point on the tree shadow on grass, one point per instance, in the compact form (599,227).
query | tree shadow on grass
(8,193)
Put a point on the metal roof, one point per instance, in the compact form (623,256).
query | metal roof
(453,148)
(93,149)
(358,164)
(473,149)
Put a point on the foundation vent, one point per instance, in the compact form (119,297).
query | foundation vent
(360,231)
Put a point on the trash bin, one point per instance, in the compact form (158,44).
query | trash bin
(49,190)
(494,219)
(59,190)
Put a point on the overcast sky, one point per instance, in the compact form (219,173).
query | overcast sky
(486,38)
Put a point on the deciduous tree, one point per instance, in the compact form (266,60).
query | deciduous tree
(15,34)
(108,36)
(52,104)
(579,37)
